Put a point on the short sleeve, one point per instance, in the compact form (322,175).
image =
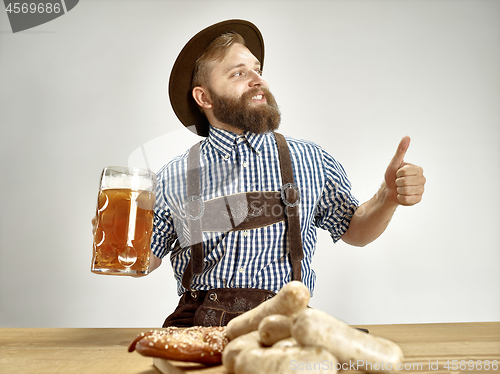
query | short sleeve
(164,235)
(336,205)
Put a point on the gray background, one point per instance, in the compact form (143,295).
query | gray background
(89,90)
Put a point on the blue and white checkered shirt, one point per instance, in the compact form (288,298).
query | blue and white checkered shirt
(256,258)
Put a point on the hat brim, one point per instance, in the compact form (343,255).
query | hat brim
(179,89)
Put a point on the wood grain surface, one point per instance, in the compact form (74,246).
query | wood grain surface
(427,348)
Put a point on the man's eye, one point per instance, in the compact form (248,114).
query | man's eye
(258,71)
(237,74)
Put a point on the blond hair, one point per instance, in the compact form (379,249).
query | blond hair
(216,51)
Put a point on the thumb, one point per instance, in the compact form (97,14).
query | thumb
(398,158)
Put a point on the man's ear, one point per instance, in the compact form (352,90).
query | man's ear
(202,97)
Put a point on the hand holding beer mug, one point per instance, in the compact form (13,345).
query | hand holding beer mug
(124,221)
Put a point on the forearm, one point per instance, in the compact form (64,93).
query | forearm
(370,220)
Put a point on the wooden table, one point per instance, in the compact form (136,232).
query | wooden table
(427,348)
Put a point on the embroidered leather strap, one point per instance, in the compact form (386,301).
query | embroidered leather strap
(243,211)
(195,209)
(290,195)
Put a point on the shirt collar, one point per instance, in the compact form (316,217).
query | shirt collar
(225,141)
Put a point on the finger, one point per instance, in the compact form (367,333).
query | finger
(410,180)
(410,190)
(409,169)
(398,158)
(409,200)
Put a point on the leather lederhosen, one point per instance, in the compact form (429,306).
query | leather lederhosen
(242,211)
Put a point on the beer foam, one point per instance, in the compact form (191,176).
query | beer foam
(134,182)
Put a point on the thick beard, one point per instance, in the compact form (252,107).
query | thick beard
(242,114)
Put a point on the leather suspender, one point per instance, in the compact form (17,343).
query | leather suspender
(195,209)
(290,195)
(195,264)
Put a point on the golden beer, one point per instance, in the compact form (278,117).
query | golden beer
(123,228)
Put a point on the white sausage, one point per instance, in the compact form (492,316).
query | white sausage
(288,342)
(351,346)
(290,300)
(274,328)
(292,360)
(240,344)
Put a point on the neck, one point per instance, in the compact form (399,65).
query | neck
(220,125)
(232,129)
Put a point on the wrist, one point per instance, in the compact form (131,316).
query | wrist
(384,198)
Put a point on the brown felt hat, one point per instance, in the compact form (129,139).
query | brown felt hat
(181,76)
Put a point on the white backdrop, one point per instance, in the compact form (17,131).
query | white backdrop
(89,90)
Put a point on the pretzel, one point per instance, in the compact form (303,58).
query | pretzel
(194,344)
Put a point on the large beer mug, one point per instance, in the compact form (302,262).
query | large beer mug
(124,221)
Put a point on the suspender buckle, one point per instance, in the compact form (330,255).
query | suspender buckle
(190,210)
(285,192)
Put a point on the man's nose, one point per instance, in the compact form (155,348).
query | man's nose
(256,80)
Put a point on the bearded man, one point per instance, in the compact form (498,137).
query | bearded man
(238,212)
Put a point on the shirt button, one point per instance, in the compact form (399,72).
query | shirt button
(226,157)
(245,164)
(245,233)
(241,270)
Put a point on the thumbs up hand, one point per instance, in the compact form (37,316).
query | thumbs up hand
(405,182)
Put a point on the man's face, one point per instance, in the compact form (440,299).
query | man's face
(239,94)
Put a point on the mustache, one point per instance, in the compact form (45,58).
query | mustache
(270,100)
(254,91)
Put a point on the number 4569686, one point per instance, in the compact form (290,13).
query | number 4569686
(33,8)
(471,365)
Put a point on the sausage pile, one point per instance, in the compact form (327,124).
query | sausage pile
(282,335)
